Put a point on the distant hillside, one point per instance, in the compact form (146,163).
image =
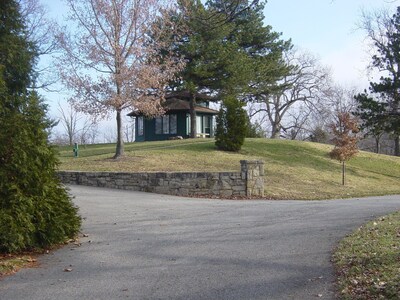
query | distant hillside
(294,169)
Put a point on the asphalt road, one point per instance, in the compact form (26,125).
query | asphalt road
(147,246)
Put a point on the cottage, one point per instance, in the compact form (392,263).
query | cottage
(176,121)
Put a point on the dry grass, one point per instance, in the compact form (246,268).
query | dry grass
(368,261)
(10,264)
(294,170)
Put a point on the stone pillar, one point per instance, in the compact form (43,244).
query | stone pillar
(253,174)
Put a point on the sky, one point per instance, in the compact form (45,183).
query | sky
(325,28)
(328,29)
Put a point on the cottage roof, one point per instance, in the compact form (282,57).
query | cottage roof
(185,95)
(172,103)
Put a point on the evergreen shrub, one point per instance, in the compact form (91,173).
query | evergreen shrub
(231,125)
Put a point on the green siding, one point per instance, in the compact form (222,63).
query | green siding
(150,128)
(182,125)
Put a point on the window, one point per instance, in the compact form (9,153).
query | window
(207,124)
(188,124)
(203,124)
(173,124)
(158,125)
(166,124)
(199,124)
(140,125)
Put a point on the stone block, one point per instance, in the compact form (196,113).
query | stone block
(249,181)
(183,192)
(240,188)
(226,193)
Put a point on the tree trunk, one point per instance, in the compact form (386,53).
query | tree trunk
(343,172)
(119,151)
(193,123)
(276,124)
(377,145)
(275,131)
(397,145)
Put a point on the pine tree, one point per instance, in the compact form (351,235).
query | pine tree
(228,50)
(35,209)
(373,113)
(385,36)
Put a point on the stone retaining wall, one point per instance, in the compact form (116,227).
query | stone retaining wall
(248,182)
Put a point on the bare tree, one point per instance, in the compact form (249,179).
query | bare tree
(109,135)
(338,99)
(298,119)
(40,31)
(88,132)
(76,126)
(91,135)
(306,82)
(129,132)
(69,119)
(110,61)
(58,138)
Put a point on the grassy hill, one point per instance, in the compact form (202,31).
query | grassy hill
(294,169)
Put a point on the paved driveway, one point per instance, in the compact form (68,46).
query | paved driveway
(147,246)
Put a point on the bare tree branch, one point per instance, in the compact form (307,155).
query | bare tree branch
(305,84)
(40,31)
(111,60)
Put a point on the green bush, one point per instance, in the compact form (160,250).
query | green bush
(35,209)
(231,125)
(254,130)
(319,135)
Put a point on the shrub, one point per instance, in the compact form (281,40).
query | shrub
(231,125)
(35,209)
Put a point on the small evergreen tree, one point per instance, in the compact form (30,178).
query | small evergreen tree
(231,125)
(35,209)
(319,135)
(254,130)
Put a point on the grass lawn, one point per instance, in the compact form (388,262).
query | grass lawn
(294,169)
(10,264)
(368,261)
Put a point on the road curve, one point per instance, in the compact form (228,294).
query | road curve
(148,246)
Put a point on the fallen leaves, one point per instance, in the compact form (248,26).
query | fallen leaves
(368,261)
(10,264)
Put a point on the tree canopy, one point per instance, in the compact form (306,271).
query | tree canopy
(372,112)
(345,131)
(384,105)
(227,49)
(110,62)
(35,209)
